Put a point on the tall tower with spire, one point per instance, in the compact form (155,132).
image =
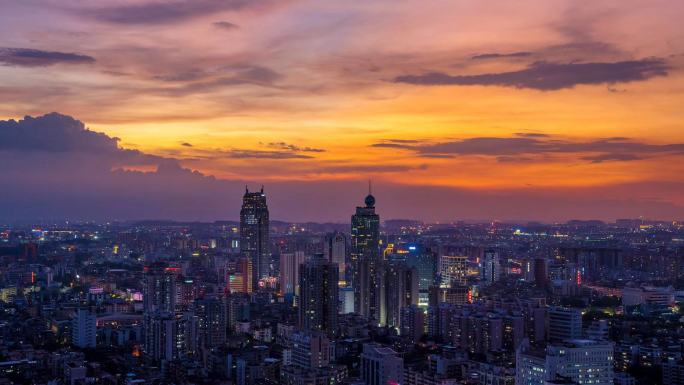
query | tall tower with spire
(365,258)
(254,236)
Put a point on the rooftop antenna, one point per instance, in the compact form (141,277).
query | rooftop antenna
(369,187)
(262,188)
(246,189)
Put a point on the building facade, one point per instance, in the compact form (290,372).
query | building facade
(254,234)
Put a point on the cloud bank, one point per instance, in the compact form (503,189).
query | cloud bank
(508,148)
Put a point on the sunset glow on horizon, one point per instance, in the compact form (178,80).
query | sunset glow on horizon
(562,99)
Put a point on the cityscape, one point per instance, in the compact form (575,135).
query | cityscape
(331,192)
(368,302)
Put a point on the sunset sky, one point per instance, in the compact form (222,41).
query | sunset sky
(544,110)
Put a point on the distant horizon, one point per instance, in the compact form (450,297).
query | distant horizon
(470,221)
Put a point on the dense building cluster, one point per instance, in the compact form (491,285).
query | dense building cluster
(371,302)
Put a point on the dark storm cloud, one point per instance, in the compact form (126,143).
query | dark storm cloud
(517,148)
(546,76)
(60,134)
(293,147)
(54,133)
(487,56)
(27,57)
(225,25)
(160,12)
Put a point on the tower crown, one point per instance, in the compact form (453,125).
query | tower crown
(370,199)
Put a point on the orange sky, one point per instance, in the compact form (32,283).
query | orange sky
(481,95)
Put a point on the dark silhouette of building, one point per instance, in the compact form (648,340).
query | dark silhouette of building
(254,236)
(212,321)
(319,295)
(335,250)
(541,275)
(401,290)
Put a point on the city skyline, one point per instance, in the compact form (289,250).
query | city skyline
(457,111)
(307,192)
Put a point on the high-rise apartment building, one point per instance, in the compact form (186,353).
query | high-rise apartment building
(319,295)
(335,251)
(425,263)
(212,321)
(412,322)
(490,267)
(159,303)
(84,329)
(159,288)
(289,272)
(401,290)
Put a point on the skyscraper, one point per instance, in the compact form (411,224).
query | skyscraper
(319,295)
(254,236)
(335,251)
(365,259)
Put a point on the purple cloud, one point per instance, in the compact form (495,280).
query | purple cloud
(487,56)
(546,76)
(27,57)
(160,12)
(525,144)
(225,25)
